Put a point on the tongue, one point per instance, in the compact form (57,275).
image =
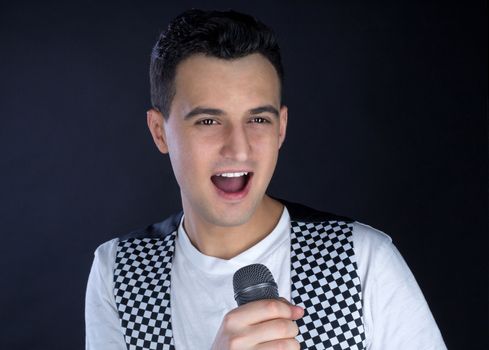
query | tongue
(229,184)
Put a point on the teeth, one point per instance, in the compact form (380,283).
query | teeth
(233,174)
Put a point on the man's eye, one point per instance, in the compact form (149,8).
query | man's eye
(259,120)
(207,122)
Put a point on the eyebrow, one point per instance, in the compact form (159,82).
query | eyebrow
(218,112)
(262,109)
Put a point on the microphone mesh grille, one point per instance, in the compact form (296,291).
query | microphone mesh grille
(254,275)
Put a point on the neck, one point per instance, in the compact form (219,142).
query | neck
(229,241)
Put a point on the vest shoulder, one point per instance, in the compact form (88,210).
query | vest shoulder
(303,213)
(157,230)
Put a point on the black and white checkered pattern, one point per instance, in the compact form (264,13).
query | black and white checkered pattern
(325,282)
(142,292)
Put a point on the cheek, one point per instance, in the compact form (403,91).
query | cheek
(265,152)
(181,157)
(265,136)
(189,159)
(265,145)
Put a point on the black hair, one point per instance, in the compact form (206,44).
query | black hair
(221,34)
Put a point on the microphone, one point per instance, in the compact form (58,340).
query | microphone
(254,282)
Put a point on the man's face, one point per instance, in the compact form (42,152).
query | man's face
(223,135)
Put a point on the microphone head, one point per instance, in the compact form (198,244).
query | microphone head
(254,282)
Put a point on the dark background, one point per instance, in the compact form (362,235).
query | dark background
(387,124)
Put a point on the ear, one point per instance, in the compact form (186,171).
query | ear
(283,124)
(156,125)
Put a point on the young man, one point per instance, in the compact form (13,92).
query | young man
(216,80)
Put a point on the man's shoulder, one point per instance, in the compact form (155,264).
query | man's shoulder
(157,230)
(368,236)
(362,233)
(106,252)
(304,213)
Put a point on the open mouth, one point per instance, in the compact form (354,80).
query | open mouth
(231,182)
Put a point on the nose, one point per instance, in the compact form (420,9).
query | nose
(236,144)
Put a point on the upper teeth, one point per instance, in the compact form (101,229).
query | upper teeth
(233,174)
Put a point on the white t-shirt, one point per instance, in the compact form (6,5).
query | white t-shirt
(396,315)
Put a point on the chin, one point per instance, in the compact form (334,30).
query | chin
(231,216)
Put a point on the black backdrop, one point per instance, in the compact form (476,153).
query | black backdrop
(388,124)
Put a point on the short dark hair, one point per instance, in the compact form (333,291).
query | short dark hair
(221,34)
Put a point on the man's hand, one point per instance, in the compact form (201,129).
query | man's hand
(262,324)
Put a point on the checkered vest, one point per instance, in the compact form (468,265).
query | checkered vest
(323,275)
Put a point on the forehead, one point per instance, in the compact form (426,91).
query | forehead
(214,82)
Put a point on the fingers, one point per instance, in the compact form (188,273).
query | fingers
(261,324)
(262,310)
(282,344)
(277,329)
